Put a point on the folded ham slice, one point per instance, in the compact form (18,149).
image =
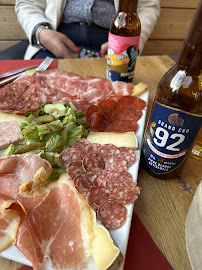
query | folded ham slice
(9,221)
(50,86)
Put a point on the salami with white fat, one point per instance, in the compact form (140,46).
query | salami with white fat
(100,179)
(83,183)
(124,193)
(107,151)
(93,163)
(119,176)
(96,196)
(75,168)
(70,154)
(116,162)
(127,154)
(112,214)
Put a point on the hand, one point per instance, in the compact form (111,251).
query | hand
(104,49)
(57,43)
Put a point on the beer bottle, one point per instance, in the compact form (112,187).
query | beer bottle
(176,115)
(124,35)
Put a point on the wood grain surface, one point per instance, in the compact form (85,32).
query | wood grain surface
(163,204)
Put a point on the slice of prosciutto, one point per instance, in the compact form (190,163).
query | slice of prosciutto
(53,232)
(51,86)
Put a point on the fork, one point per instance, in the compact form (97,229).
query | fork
(43,66)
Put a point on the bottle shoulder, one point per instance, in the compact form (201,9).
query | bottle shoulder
(179,88)
(126,24)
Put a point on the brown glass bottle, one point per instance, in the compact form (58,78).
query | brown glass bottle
(176,115)
(124,35)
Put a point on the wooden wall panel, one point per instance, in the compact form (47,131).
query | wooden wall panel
(10,28)
(173,23)
(7,2)
(179,3)
(160,47)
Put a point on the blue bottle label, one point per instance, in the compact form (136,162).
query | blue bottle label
(169,137)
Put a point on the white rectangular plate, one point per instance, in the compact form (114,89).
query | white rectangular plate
(120,235)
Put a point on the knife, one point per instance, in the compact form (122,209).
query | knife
(10,79)
(12,72)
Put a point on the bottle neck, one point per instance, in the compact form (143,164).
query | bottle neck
(127,6)
(191,52)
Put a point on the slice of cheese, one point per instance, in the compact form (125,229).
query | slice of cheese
(139,89)
(31,72)
(126,139)
(9,117)
(103,250)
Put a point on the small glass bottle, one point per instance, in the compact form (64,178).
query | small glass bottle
(124,35)
(176,116)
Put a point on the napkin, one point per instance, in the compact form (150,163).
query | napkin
(142,253)
(7,65)
(193,230)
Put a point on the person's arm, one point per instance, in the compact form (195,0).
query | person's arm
(148,12)
(30,14)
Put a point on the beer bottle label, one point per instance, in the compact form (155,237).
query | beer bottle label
(169,137)
(122,54)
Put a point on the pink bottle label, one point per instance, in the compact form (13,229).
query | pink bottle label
(122,54)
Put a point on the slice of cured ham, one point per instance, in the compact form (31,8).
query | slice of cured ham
(22,172)
(50,86)
(52,229)
(9,221)
(58,229)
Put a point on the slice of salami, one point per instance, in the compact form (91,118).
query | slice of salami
(98,122)
(107,151)
(124,193)
(127,114)
(127,154)
(92,148)
(100,179)
(81,144)
(112,214)
(120,176)
(20,96)
(122,126)
(139,103)
(126,102)
(91,109)
(96,196)
(82,183)
(70,154)
(93,163)
(131,101)
(115,163)
(75,168)
(108,107)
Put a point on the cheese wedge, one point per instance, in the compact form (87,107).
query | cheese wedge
(126,139)
(9,117)
(139,89)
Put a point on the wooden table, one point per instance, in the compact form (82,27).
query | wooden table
(163,204)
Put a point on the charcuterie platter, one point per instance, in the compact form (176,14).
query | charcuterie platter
(91,158)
